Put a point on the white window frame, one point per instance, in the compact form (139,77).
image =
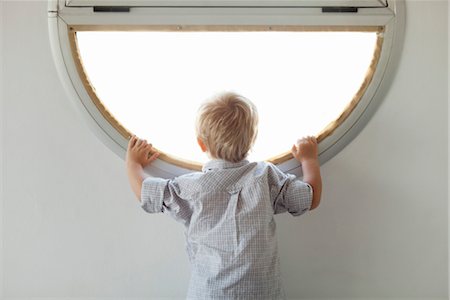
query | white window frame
(228,3)
(391,17)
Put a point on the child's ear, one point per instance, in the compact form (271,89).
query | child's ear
(201,144)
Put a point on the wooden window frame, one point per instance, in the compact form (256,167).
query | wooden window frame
(64,24)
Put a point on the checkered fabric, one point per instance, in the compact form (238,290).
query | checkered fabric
(228,212)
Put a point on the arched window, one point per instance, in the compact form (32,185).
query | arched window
(144,69)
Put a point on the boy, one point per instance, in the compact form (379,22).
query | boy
(228,208)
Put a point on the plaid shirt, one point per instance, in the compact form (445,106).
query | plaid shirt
(228,212)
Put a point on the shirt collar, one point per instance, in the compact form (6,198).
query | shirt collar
(218,164)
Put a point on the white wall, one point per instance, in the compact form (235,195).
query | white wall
(2,169)
(71,227)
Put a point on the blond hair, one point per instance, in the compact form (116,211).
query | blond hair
(228,124)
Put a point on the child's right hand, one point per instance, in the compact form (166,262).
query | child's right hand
(305,149)
(307,153)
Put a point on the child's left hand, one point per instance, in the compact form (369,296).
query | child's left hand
(139,151)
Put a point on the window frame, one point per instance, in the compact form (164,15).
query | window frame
(388,21)
(227,3)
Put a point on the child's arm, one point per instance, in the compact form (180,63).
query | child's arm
(306,152)
(138,157)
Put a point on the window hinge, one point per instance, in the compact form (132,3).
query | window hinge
(339,9)
(111,9)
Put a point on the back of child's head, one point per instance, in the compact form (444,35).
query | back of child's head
(228,124)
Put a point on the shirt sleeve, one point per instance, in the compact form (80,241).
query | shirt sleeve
(290,194)
(163,195)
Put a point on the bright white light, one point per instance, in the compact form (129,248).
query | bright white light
(154,82)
